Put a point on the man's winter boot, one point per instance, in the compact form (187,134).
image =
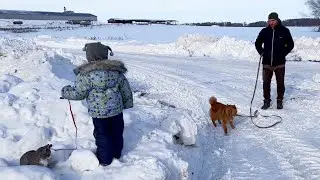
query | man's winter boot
(279,104)
(266,104)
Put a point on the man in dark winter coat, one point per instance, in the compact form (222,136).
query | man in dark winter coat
(278,43)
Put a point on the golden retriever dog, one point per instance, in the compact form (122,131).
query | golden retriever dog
(225,113)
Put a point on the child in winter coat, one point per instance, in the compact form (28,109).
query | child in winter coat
(107,92)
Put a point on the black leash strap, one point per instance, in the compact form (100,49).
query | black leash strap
(255,113)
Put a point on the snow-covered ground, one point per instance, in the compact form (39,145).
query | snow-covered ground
(171,91)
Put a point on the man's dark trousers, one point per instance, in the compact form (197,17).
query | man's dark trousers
(267,77)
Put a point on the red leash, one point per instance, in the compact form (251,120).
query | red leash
(75,125)
(74,122)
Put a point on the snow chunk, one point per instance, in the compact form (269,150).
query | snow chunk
(83,160)
(26,92)
(27,112)
(11,79)
(8,113)
(7,99)
(27,173)
(33,139)
(316,78)
(182,126)
(7,82)
(7,145)
(4,86)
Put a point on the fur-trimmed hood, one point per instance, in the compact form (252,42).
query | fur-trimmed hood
(108,65)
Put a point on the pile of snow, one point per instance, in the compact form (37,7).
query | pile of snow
(306,49)
(83,160)
(15,47)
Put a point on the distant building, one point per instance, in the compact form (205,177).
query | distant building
(42,15)
(142,21)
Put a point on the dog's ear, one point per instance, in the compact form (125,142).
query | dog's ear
(234,109)
(212,100)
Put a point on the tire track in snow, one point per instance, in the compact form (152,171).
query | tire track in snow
(302,159)
(184,90)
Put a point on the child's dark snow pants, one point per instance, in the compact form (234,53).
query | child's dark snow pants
(108,133)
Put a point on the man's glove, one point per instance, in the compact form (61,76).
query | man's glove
(111,53)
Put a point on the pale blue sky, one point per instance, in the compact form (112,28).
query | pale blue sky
(181,10)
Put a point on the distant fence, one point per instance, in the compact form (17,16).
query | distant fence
(47,17)
(137,21)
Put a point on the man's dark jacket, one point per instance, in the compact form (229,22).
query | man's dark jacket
(278,43)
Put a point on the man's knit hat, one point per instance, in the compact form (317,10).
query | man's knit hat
(273,15)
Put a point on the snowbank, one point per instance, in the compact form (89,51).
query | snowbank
(15,47)
(27,173)
(306,48)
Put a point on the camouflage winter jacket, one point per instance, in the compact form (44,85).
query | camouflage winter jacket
(103,85)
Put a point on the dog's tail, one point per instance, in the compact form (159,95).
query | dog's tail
(212,100)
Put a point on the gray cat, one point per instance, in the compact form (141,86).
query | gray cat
(39,157)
